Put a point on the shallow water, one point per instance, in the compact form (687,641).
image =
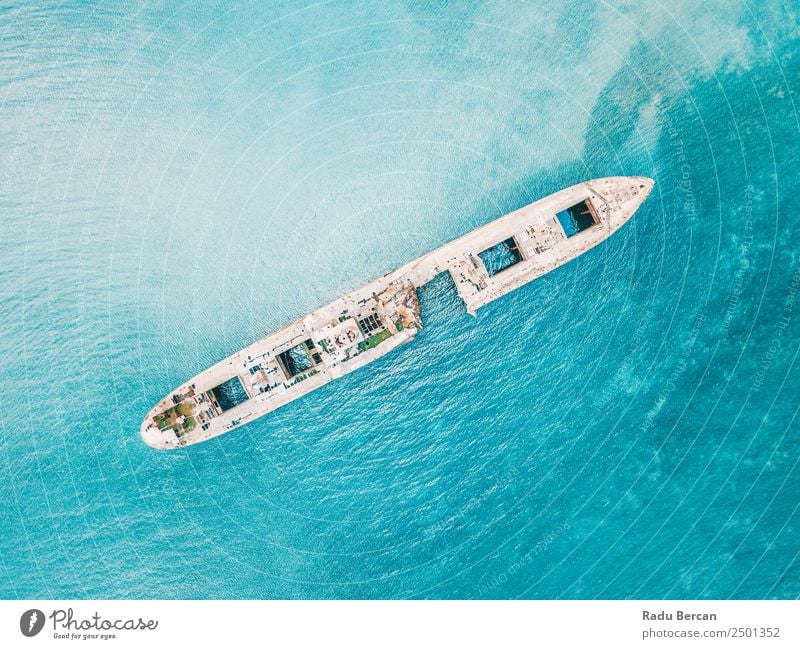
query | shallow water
(177,182)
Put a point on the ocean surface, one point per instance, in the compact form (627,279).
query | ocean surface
(179,179)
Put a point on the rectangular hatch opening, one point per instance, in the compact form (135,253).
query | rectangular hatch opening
(230,394)
(299,358)
(577,218)
(501,256)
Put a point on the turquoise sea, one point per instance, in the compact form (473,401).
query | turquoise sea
(179,179)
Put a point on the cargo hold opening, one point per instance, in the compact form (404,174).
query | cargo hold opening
(577,218)
(501,256)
